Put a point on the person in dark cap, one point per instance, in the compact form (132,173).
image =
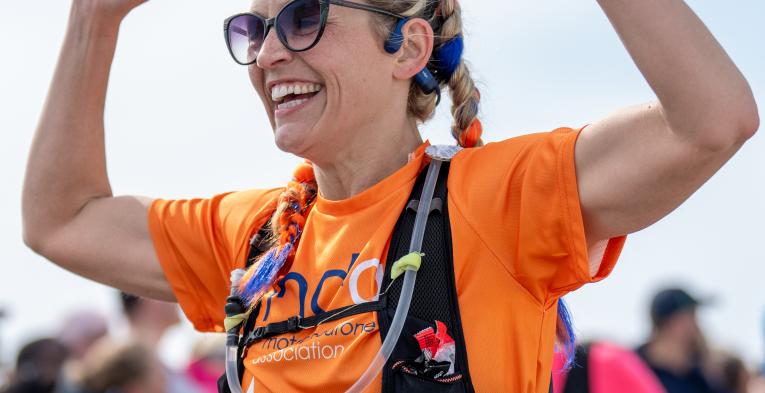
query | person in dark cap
(676,347)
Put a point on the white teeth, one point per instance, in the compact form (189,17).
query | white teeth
(291,104)
(278,92)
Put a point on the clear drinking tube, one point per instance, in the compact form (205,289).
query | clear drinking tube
(407,289)
(232,370)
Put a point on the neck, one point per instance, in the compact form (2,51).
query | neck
(670,354)
(366,161)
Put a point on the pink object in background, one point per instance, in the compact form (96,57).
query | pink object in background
(201,374)
(611,369)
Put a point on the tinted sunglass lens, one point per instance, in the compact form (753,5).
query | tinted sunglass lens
(300,23)
(245,37)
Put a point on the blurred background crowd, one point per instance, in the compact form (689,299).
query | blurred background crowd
(181,124)
(84,356)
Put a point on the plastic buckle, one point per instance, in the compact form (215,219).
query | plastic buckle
(293,324)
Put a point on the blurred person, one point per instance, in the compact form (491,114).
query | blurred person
(346,85)
(38,366)
(727,372)
(148,321)
(80,330)
(207,362)
(120,366)
(603,367)
(676,349)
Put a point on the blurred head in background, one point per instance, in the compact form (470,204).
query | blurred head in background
(673,315)
(80,330)
(677,349)
(123,366)
(38,366)
(148,319)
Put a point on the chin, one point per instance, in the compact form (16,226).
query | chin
(292,139)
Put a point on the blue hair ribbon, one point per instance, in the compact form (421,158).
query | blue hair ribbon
(447,57)
(265,274)
(565,333)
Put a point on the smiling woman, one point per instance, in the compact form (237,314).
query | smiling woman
(513,225)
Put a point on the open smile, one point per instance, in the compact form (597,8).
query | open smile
(290,97)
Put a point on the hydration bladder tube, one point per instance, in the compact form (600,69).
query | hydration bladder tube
(232,340)
(407,289)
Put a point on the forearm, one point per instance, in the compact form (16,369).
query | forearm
(703,95)
(67,164)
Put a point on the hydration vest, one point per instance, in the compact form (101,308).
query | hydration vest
(434,299)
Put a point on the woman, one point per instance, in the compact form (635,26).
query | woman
(531,218)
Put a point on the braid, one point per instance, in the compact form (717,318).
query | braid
(287,225)
(466,128)
(445,16)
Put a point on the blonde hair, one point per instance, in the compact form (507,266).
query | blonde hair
(445,17)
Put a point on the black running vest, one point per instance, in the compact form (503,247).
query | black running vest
(435,298)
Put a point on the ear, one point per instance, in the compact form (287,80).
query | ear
(416,49)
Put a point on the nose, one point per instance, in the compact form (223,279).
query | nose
(272,52)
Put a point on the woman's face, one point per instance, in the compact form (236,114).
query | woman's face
(348,67)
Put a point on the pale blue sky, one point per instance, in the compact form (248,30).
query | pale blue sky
(182,120)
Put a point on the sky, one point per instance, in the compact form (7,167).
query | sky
(182,120)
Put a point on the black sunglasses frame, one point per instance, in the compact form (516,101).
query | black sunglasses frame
(271,23)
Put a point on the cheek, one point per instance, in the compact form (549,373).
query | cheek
(256,79)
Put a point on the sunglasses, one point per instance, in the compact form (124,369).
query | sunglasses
(299,26)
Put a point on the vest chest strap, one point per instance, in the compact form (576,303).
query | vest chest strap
(297,323)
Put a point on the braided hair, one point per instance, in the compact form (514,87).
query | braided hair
(287,224)
(446,64)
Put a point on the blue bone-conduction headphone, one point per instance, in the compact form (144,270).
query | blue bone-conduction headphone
(425,79)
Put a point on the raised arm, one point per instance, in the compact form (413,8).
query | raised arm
(70,215)
(639,164)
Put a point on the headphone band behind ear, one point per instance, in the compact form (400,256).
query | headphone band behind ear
(424,79)
(396,37)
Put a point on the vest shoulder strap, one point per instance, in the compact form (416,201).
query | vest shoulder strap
(435,292)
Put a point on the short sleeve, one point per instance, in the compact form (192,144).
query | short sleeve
(198,243)
(520,196)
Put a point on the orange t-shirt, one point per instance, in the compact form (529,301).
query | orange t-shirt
(518,244)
